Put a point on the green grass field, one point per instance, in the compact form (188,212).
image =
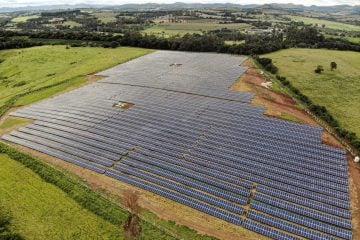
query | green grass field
(24,18)
(353,39)
(42,211)
(338,90)
(105,16)
(72,24)
(11,122)
(234,42)
(171,29)
(328,24)
(29,69)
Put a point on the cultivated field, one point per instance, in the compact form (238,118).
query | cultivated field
(26,70)
(338,90)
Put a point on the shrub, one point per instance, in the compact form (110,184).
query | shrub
(19,84)
(319,69)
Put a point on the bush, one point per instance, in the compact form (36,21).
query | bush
(319,69)
(264,61)
(19,84)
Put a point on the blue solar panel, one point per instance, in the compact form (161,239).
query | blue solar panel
(286,226)
(303,211)
(176,197)
(301,220)
(267,231)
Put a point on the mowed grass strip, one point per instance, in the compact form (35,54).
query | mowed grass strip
(337,90)
(40,210)
(25,70)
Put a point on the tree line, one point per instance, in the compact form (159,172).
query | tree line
(292,36)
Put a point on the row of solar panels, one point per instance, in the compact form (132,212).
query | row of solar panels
(92,157)
(259,178)
(325,191)
(168,185)
(188,134)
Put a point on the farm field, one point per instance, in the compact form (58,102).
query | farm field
(34,68)
(170,29)
(328,24)
(42,211)
(338,90)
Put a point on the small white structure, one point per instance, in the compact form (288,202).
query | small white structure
(357,159)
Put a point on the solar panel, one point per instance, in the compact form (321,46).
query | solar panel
(188,138)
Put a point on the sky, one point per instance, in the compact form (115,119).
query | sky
(21,3)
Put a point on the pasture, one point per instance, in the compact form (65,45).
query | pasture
(170,29)
(338,90)
(328,24)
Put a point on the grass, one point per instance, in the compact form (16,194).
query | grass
(353,39)
(170,29)
(105,16)
(43,66)
(24,18)
(234,42)
(328,24)
(290,117)
(72,24)
(165,31)
(11,122)
(42,211)
(338,90)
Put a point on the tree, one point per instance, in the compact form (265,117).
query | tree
(333,65)
(132,226)
(319,69)
(6,232)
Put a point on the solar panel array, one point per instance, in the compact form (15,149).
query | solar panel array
(192,140)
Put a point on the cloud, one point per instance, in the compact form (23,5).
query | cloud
(21,3)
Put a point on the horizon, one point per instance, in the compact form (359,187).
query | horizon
(40,3)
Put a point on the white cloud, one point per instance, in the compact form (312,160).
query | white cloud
(18,3)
